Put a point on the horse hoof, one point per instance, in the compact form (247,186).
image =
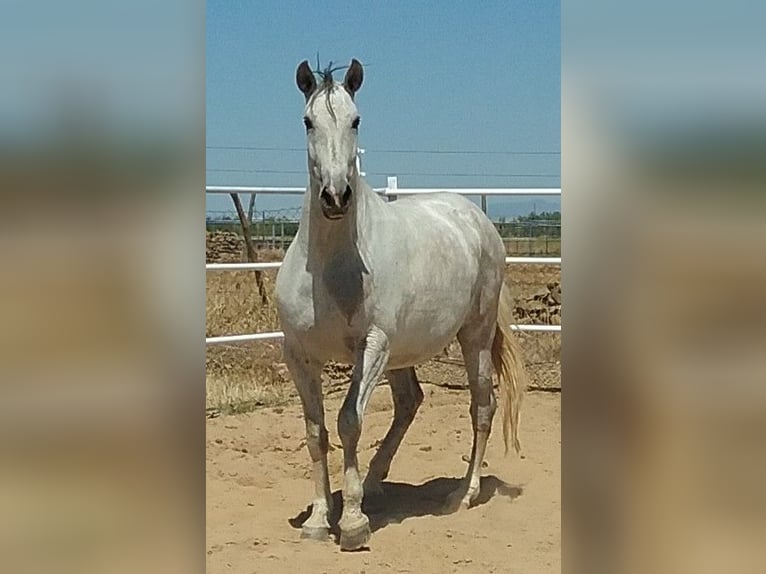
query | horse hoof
(470,498)
(319,533)
(356,537)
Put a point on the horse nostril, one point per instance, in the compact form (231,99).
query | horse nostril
(346,195)
(326,197)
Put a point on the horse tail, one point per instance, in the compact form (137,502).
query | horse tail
(509,368)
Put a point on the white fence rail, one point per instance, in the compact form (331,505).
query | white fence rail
(278,264)
(392,190)
(223,339)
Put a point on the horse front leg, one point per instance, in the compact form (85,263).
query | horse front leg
(307,374)
(371,360)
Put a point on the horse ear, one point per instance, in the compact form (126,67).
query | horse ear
(354,76)
(305,79)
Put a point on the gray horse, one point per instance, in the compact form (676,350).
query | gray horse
(386,286)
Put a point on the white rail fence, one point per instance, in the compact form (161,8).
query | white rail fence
(391,191)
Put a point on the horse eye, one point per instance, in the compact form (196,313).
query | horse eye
(355,123)
(307,123)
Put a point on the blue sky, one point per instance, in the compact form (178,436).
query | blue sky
(447,76)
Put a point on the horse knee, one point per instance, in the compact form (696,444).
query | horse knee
(317,440)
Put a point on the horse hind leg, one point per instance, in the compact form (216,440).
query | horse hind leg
(476,345)
(407,397)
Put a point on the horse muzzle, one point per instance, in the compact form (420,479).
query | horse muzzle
(335,205)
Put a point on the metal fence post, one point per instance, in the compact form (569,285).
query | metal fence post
(359,152)
(264,241)
(391,188)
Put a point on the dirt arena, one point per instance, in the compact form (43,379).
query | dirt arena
(259,488)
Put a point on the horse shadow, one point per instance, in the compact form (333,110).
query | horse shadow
(400,501)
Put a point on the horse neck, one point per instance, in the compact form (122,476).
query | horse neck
(326,237)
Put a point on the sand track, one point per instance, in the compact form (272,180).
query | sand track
(258,489)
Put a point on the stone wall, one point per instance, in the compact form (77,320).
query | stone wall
(224,247)
(542,306)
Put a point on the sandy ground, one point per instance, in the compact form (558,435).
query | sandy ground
(258,491)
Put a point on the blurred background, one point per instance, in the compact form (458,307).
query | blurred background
(102,289)
(664,369)
(101,299)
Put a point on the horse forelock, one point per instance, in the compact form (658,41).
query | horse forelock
(325,92)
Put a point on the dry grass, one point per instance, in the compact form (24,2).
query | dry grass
(243,376)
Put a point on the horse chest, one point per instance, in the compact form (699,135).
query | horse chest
(330,335)
(330,314)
